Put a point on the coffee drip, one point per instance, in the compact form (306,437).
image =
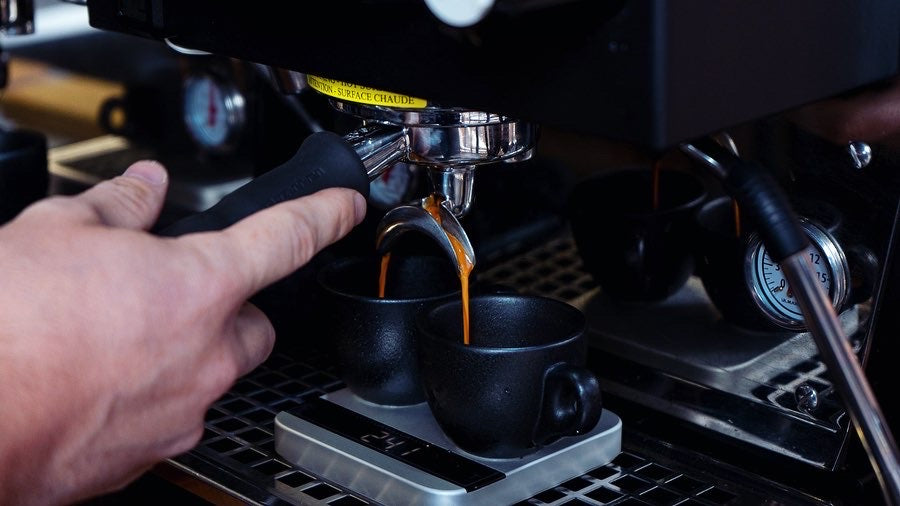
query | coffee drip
(447,228)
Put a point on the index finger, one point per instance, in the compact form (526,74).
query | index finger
(274,242)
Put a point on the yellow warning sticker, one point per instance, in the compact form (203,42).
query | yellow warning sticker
(362,94)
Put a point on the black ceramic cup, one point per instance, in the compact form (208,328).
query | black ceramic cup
(636,252)
(375,338)
(521,382)
(23,171)
(720,259)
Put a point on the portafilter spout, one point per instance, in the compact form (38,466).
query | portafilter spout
(444,230)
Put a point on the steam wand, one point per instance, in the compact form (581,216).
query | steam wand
(761,197)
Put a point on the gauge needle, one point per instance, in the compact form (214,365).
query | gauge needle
(211,117)
(779,287)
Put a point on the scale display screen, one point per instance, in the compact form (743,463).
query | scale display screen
(399,445)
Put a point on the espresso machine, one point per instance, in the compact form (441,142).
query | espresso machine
(711,412)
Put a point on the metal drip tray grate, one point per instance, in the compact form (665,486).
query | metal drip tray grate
(553,269)
(237,454)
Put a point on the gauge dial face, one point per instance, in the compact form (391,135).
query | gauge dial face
(776,292)
(771,289)
(213,112)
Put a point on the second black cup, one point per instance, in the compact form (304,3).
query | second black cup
(521,382)
(375,338)
(721,256)
(636,249)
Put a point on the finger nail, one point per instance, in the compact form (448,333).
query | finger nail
(359,205)
(147,170)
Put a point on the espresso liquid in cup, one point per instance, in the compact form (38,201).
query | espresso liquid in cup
(464,264)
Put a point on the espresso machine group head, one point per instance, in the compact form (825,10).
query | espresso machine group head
(449,142)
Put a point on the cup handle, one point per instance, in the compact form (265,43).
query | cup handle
(572,403)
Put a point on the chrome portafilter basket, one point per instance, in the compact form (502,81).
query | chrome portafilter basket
(448,142)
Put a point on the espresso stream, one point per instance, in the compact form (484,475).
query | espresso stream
(737,218)
(464,264)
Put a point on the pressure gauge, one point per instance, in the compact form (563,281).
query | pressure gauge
(770,289)
(214,112)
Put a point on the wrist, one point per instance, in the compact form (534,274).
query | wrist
(40,428)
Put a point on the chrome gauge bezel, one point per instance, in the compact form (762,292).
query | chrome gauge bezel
(235,111)
(835,260)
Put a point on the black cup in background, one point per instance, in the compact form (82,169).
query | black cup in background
(521,382)
(720,258)
(636,253)
(375,339)
(23,171)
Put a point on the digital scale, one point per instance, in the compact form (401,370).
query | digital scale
(399,455)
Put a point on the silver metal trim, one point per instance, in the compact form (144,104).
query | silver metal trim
(379,147)
(723,139)
(456,184)
(705,159)
(208,480)
(184,50)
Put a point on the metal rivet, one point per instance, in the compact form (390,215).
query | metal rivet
(807,398)
(860,152)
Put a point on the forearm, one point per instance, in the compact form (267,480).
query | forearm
(45,403)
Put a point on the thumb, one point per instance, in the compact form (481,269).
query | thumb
(132,200)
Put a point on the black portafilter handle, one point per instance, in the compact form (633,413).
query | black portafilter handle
(324,160)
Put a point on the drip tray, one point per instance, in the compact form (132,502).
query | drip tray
(399,455)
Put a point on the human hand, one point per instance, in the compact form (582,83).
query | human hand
(114,342)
